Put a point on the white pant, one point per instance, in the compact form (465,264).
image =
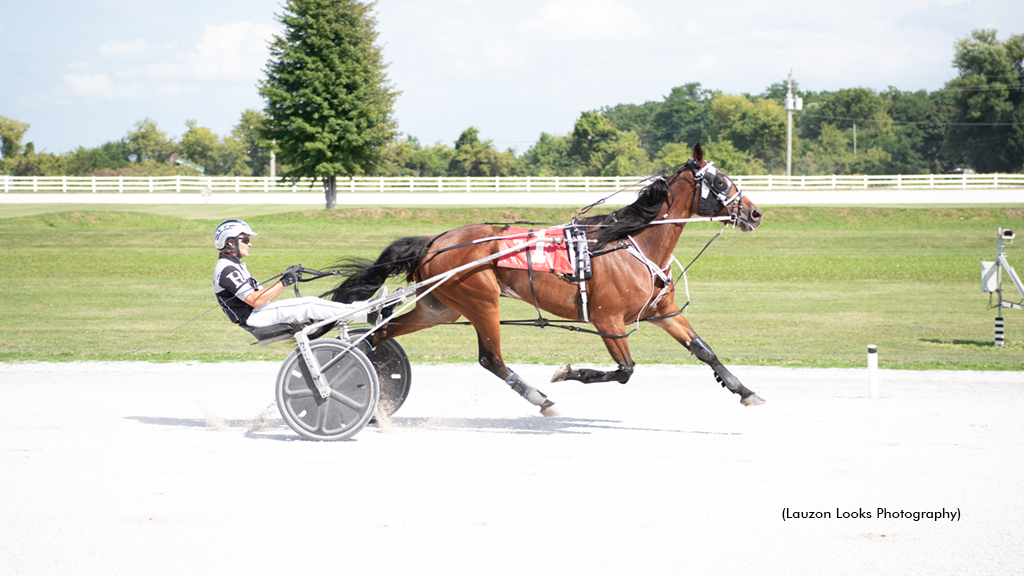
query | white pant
(301,310)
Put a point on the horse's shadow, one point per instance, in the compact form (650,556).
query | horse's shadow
(534,425)
(275,428)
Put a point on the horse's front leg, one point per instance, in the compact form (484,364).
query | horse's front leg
(679,328)
(618,348)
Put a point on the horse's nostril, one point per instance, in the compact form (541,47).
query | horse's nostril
(755,214)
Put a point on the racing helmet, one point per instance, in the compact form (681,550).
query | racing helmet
(227,231)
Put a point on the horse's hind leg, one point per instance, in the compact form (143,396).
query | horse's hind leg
(618,348)
(680,329)
(490,358)
(476,298)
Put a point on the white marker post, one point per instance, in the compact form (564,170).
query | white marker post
(872,371)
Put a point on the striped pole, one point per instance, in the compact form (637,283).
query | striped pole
(999,331)
(872,371)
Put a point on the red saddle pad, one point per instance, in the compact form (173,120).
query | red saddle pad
(544,256)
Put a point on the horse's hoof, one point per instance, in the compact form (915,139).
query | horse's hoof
(561,373)
(548,410)
(752,400)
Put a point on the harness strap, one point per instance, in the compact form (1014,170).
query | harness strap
(553,324)
(556,324)
(540,321)
(584,306)
(655,271)
(607,249)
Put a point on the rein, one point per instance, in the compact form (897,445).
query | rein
(314,273)
(541,322)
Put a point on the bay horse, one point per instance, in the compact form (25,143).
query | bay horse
(621,290)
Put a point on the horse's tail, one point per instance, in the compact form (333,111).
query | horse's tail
(364,277)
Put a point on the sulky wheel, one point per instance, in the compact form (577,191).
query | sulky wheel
(355,390)
(393,371)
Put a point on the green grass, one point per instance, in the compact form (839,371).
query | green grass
(811,288)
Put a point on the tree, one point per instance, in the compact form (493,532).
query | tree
(987,94)
(602,150)
(11,133)
(829,153)
(673,154)
(1015,138)
(638,118)
(844,132)
(845,107)
(248,132)
(199,146)
(681,117)
(231,158)
(32,163)
(755,129)
(147,143)
(410,158)
(88,161)
(479,158)
(329,103)
(731,159)
(915,144)
(549,156)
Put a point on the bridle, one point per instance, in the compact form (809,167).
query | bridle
(711,192)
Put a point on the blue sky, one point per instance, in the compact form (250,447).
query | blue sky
(84,72)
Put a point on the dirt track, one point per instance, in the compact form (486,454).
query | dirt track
(133,468)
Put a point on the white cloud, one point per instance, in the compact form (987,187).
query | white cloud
(227,54)
(137,49)
(100,87)
(584,21)
(235,51)
(91,85)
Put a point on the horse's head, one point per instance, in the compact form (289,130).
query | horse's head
(715,194)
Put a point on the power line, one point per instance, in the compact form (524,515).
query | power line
(981,88)
(914,122)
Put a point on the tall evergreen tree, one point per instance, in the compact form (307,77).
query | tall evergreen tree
(329,101)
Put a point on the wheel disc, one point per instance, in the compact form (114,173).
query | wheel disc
(355,390)
(393,371)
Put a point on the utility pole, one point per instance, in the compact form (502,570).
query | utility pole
(791,104)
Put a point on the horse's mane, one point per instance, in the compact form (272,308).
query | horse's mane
(632,218)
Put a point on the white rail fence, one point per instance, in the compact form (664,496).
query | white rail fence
(528,184)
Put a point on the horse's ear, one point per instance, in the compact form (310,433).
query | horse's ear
(698,153)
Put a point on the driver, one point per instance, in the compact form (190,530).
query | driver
(249,304)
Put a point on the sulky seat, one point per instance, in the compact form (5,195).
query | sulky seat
(273,333)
